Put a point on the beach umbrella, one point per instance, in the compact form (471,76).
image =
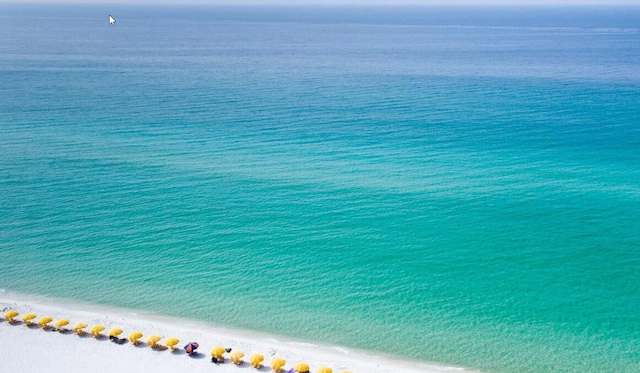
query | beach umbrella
(115,332)
(346,371)
(277,364)
(301,367)
(44,322)
(77,327)
(60,323)
(191,347)
(9,316)
(171,342)
(152,340)
(217,352)
(236,357)
(28,317)
(134,337)
(256,360)
(95,331)
(325,370)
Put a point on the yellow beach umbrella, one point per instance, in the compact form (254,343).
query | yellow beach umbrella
(217,352)
(77,327)
(28,317)
(60,323)
(346,371)
(115,332)
(153,340)
(172,342)
(134,337)
(301,367)
(277,364)
(236,357)
(44,322)
(325,370)
(9,316)
(95,331)
(256,360)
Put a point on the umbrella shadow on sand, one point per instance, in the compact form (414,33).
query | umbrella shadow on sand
(197,355)
(64,331)
(118,341)
(246,365)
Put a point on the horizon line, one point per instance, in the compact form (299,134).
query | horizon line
(333,3)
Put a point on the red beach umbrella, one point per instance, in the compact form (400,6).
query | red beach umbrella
(191,347)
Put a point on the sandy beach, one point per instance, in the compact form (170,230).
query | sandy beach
(33,349)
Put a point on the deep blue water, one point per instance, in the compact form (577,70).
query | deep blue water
(458,185)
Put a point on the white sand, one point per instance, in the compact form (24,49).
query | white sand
(32,349)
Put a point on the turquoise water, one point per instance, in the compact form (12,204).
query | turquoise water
(461,187)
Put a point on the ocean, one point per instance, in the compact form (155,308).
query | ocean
(455,185)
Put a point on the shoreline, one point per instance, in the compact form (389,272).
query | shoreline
(22,343)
